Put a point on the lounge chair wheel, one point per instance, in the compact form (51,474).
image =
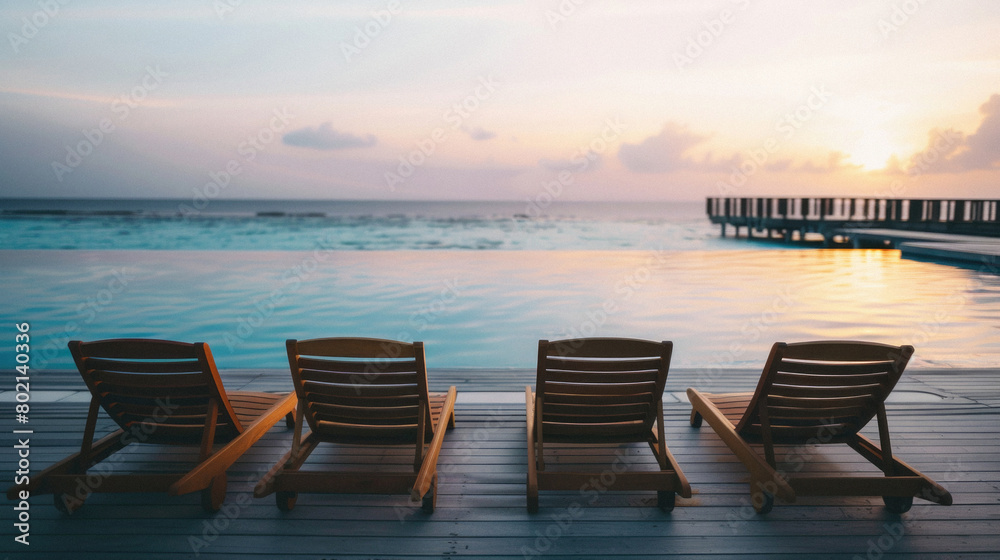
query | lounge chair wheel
(65,503)
(898,504)
(665,500)
(763,502)
(695,419)
(213,496)
(286,499)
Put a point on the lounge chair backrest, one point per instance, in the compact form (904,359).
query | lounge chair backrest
(156,390)
(600,388)
(823,390)
(361,390)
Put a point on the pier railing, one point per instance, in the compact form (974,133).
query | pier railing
(823,215)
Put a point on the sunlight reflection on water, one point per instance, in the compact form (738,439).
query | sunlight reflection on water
(489,308)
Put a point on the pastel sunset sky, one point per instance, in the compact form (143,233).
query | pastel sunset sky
(600,100)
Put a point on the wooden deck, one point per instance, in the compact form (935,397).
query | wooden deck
(944,422)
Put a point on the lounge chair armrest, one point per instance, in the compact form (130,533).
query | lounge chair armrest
(759,469)
(218,462)
(428,469)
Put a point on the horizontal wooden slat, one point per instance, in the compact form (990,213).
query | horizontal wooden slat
(794,401)
(555,376)
(166,394)
(355,400)
(152,381)
(355,348)
(358,378)
(834,368)
(807,380)
(367,367)
(139,349)
(358,390)
(836,391)
(837,350)
(594,420)
(366,413)
(596,365)
(600,389)
(604,348)
(599,399)
(149,366)
(591,410)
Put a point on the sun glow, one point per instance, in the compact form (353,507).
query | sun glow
(872,150)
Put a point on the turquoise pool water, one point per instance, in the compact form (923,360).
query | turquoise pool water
(475,308)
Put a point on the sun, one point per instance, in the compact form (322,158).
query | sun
(872,150)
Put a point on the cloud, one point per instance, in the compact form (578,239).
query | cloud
(580,162)
(325,137)
(661,153)
(479,134)
(951,151)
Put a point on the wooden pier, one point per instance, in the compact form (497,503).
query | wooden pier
(794,219)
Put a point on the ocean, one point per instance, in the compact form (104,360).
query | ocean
(479,282)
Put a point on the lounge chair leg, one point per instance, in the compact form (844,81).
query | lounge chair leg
(695,418)
(762,500)
(286,499)
(213,496)
(898,504)
(665,500)
(290,419)
(533,502)
(430,498)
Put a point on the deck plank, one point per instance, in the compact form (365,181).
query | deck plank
(943,422)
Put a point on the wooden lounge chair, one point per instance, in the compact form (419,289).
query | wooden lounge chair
(601,391)
(159,392)
(811,393)
(362,391)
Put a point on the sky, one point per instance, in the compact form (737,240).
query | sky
(568,99)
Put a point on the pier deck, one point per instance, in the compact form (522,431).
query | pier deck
(943,422)
(795,218)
